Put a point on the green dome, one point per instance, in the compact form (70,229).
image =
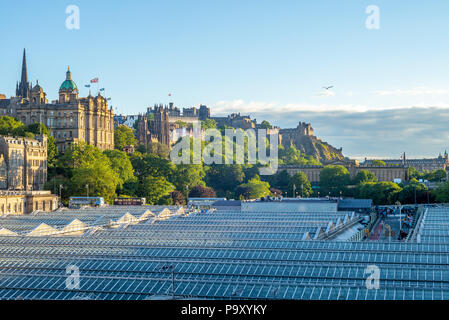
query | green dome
(68,84)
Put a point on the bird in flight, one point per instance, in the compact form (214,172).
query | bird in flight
(327,88)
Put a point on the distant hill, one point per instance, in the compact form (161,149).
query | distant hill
(303,138)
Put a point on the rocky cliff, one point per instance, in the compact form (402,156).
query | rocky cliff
(303,139)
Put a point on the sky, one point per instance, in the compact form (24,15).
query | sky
(267,59)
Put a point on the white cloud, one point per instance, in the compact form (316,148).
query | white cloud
(325,93)
(251,107)
(413,92)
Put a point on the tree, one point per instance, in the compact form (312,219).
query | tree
(178,198)
(282,181)
(265,125)
(380,192)
(124,136)
(102,181)
(186,176)
(407,194)
(364,176)
(293,156)
(334,179)
(224,178)
(301,183)
(208,124)
(441,193)
(159,149)
(121,164)
(81,154)
(437,175)
(379,163)
(202,192)
(415,173)
(254,189)
(155,188)
(151,165)
(85,164)
(11,126)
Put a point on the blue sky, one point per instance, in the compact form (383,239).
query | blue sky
(269,59)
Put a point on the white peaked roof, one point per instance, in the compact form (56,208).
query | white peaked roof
(165,213)
(7,233)
(127,218)
(306,236)
(180,211)
(42,230)
(74,228)
(146,215)
(330,227)
(339,223)
(318,233)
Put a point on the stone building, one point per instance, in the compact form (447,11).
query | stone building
(236,120)
(23,163)
(157,129)
(23,173)
(25,202)
(70,118)
(430,164)
(382,173)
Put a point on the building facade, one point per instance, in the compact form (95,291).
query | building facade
(23,173)
(424,164)
(23,163)
(382,173)
(70,118)
(25,202)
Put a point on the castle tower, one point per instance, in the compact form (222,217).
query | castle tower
(23,88)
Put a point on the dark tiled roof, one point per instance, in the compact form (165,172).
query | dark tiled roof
(355,203)
(227,203)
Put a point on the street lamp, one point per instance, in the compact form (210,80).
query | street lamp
(172,267)
(87,188)
(60,189)
(294,189)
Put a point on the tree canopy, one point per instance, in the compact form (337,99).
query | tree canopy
(254,189)
(202,192)
(334,179)
(301,184)
(124,136)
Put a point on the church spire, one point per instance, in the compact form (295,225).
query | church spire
(24,86)
(24,78)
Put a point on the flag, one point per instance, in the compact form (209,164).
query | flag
(169,94)
(102,89)
(108,99)
(95,80)
(87,85)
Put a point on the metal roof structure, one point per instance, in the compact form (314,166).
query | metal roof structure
(213,255)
